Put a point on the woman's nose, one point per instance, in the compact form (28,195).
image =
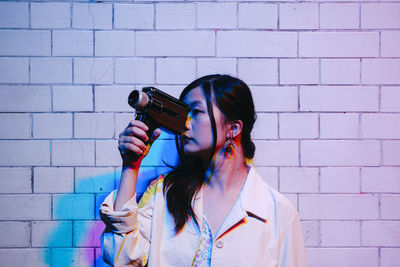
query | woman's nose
(188,124)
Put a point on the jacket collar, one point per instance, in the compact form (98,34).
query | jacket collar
(253,196)
(250,203)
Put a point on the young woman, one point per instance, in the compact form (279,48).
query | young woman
(212,210)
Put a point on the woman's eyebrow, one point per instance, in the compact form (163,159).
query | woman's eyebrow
(195,103)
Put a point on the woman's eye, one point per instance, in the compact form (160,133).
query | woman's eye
(196,111)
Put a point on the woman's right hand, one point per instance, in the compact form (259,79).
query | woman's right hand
(134,144)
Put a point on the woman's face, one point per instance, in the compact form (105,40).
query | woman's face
(198,138)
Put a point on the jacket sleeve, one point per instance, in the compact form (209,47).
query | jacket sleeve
(126,238)
(292,252)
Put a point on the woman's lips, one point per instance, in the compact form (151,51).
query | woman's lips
(186,138)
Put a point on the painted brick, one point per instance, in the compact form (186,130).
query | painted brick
(216,15)
(258,16)
(382,126)
(133,16)
(339,125)
(83,257)
(15,180)
(206,66)
(381,179)
(24,207)
(15,126)
(339,98)
(390,207)
(275,99)
(256,44)
(299,16)
(389,99)
(348,13)
(389,44)
(25,43)
(48,125)
(175,16)
(380,233)
(72,98)
(340,180)
(266,126)
(330,257)
(24,153)
(258,71)
(114,43)
(390,257)
(94,125)
(178,71)
(53,180)
(24,257)
(93,70)
(72,43)
(340,234)
(15,234)
(310,233)
(134,70)
(25,98)
(94,180)
(14,70)
(160,152)
(50,15)
(14,15)
(380,16)
(269,175)
(87,234)
(391,152)
(179,43)
(92,16)
(107,153)
(340,153)
(298,125)
(73,153)
(338,44)
(73,206)
(112,98)
(121,122)
(276,153)
(51,234)
(299,71)
(380,71)
(338,206)
(340,71)
(298,180)
(51,70)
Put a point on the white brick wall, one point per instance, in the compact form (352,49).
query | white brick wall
(325,77)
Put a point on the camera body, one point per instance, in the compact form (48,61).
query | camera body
(158,109)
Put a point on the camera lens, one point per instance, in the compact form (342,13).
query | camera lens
(137,99)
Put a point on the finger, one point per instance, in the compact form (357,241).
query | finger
(140,124)
(135,131)
(130,147)
(156,133)
(132,140)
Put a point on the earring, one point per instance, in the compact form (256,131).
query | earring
(229,143)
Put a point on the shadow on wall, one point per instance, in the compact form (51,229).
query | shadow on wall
(73,237)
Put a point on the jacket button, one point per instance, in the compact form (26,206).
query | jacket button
(219,244)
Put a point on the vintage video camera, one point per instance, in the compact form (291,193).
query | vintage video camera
(158,109)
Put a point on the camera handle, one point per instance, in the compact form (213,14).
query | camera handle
(143,117)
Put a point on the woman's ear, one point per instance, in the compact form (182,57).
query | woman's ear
(236,127)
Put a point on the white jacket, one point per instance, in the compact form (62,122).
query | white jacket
(262,229)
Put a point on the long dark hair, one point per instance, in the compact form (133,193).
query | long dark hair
(233,97)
